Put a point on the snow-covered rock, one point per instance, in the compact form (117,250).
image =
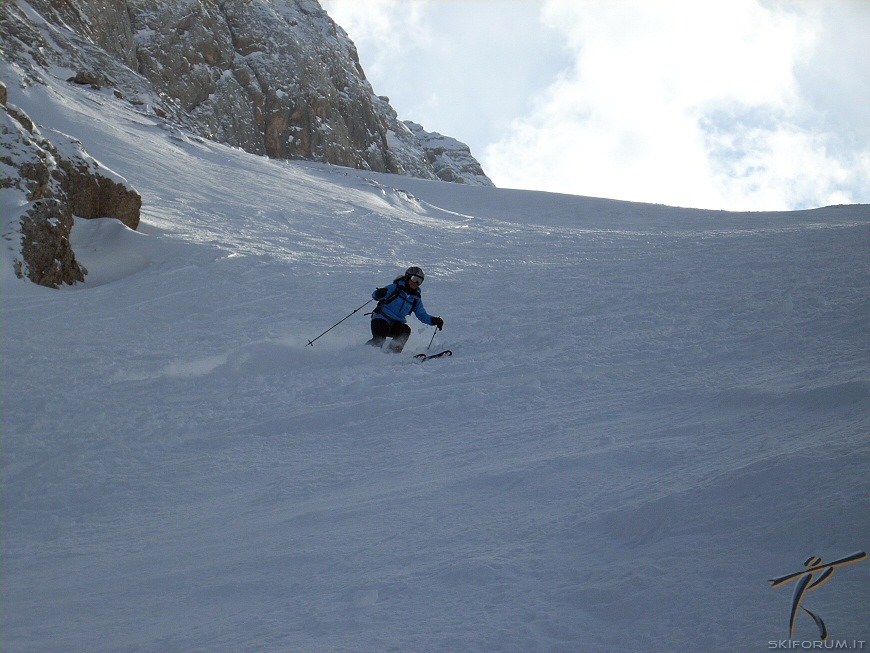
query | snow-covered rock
(451,159)
(45,182)
(406,146)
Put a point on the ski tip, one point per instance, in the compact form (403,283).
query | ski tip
(426,357)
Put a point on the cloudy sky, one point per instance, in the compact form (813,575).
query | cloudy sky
(731,104)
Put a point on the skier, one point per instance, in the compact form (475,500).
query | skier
(396,302)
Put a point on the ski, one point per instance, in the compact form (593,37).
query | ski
(426,357)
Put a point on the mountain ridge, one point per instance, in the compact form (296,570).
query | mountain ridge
(275,77)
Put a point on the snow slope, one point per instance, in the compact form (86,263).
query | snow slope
(649,413)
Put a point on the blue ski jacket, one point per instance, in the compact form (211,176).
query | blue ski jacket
(398,301)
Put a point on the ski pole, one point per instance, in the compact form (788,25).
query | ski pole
(311,342)
(431,341)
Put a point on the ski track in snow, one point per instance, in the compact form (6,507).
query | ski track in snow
(648,413)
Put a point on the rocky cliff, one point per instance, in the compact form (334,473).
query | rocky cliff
(450,159)
(274,77)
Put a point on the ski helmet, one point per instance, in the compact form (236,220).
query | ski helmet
(414,271)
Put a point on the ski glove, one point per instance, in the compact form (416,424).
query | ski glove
(438,322)
(380,293)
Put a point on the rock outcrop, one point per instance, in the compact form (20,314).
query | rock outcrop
(450,159)
(46,255)
(55,179)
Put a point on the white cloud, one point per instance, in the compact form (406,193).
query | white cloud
(465,68)
(783,167)
(684,102)
(739,104)
(389,28)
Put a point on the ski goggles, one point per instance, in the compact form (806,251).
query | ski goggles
(416,279)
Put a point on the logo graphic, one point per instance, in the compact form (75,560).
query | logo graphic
(810,581)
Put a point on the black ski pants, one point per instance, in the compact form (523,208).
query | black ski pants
(382,329)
